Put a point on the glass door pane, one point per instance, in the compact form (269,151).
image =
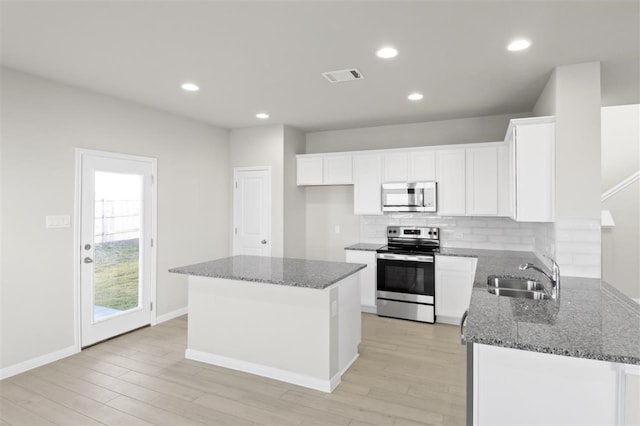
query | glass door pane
(117,277)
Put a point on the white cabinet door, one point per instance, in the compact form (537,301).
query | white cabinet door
(482,181)
(504,200)
(309,170)
(367,184)
(338,170)
(395,167)
(422,166)
(535,172)
(573,391)
(454,283)
(367,277)
(451,181)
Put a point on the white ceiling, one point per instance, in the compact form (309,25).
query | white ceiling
(249,57)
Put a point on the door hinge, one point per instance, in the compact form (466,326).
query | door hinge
(236,185)
(153,179)
(236,231)
(151,306)
(152,242)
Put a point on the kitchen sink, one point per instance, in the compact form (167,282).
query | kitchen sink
(521,294)
(514,283)
(519,287)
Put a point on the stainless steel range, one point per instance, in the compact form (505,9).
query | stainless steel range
(406,274)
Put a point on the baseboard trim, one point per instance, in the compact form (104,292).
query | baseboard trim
(37,362)
(445,319)
(369,309)
(265,371)
(171,315)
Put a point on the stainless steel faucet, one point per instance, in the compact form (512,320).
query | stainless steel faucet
(554,278)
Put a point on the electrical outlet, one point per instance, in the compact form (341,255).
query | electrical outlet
(458,235)
(336,229)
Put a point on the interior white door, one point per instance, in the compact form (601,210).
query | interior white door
(116,245)
(252,212)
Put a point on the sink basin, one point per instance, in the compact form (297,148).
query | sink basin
(521,294)
(514,283)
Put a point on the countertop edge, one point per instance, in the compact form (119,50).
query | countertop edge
(357,267)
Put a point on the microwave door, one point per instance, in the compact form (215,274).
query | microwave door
(403,198)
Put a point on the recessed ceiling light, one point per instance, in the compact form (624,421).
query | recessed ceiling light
(516,45)
(262,115)
(190,87)
(415,96)
(387,52)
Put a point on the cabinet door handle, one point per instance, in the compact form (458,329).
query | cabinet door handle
(464,318)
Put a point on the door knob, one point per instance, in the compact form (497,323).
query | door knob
(263,242)
(88,260)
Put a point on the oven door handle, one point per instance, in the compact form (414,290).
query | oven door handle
(405,257)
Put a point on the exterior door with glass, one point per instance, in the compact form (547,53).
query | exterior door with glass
(116,244)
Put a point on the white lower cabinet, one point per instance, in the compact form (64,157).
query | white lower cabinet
(454,283)
(513,386)
(367,277)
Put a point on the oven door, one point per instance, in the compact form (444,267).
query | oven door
(405,277)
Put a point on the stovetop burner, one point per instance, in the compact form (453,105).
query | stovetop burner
(408,250)
(407,240)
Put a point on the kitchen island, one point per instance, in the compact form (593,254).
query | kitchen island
(292,320)
(573,360)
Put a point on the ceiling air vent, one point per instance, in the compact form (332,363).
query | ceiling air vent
(343,75)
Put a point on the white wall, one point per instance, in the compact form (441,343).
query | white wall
(446,132)
(573,95)
(578,113)
(620,159)
(262,146)
(294,196)
(328,207)
(331,206)
(42,122)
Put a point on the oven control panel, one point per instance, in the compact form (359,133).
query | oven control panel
(412,232)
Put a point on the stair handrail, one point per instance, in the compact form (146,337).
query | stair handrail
(621,185)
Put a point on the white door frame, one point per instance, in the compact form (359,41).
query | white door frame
(77,243)
(235,179)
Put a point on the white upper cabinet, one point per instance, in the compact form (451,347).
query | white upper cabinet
(451,172)
(395,167)
(367,184)
(422,166)
(309,170)
(482,181)
(504,195)
(532,175)
(338,170)
(324,169)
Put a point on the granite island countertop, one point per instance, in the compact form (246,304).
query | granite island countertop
(590,320)
(315,274)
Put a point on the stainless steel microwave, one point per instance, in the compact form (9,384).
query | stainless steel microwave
(409,197)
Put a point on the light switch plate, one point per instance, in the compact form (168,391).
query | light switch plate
(58,221)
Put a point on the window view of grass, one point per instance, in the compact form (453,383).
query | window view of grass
(116,274)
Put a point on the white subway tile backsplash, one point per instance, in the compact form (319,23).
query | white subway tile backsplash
(462,232)
(578,248)
(488,231)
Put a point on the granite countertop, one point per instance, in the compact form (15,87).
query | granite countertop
(590,320)
(365,247)
(314,274)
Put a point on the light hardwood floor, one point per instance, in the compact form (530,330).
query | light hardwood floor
(407,374)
